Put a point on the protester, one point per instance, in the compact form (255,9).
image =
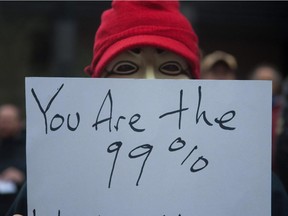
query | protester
(219,65)
(12,155)
(269,72)
(282,142)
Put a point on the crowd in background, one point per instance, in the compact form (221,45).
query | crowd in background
(218,65)
(221,65)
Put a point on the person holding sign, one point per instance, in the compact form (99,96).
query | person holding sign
(140,39)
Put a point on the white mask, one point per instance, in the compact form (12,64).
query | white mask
(148,63)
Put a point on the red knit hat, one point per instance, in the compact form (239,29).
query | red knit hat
(130,24)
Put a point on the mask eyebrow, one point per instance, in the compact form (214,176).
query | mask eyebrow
(135,50)
(159,51)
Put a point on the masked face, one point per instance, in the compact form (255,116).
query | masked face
(148,63)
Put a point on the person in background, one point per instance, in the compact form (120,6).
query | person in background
(282,142)
(279,194)
(219,65)
(269,72)
(12,155)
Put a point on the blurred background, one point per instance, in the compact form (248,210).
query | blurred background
(55,38)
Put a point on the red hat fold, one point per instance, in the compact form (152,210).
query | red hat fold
(131,24)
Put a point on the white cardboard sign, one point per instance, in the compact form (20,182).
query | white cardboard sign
(109,147)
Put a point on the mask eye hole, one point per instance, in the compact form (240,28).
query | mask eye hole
(124,67)
(171,68)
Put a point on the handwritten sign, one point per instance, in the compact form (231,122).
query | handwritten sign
(107,147)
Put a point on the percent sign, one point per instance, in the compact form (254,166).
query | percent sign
(181,144)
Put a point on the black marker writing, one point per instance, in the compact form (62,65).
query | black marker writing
(48,106)
(181,144)
(57,120)
(109,96)
(220,121)
(195,147)
(57,116)
(132,121)
(112,148)
(203,114)
(61,121)
(180,110)
(132,155)
(117,125)
(177,141)
(68,122)
(201,158)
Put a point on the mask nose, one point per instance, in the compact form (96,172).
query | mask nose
(150,72)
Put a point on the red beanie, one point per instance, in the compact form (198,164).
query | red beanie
(131,24)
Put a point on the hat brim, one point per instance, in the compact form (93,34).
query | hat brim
(148,40)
